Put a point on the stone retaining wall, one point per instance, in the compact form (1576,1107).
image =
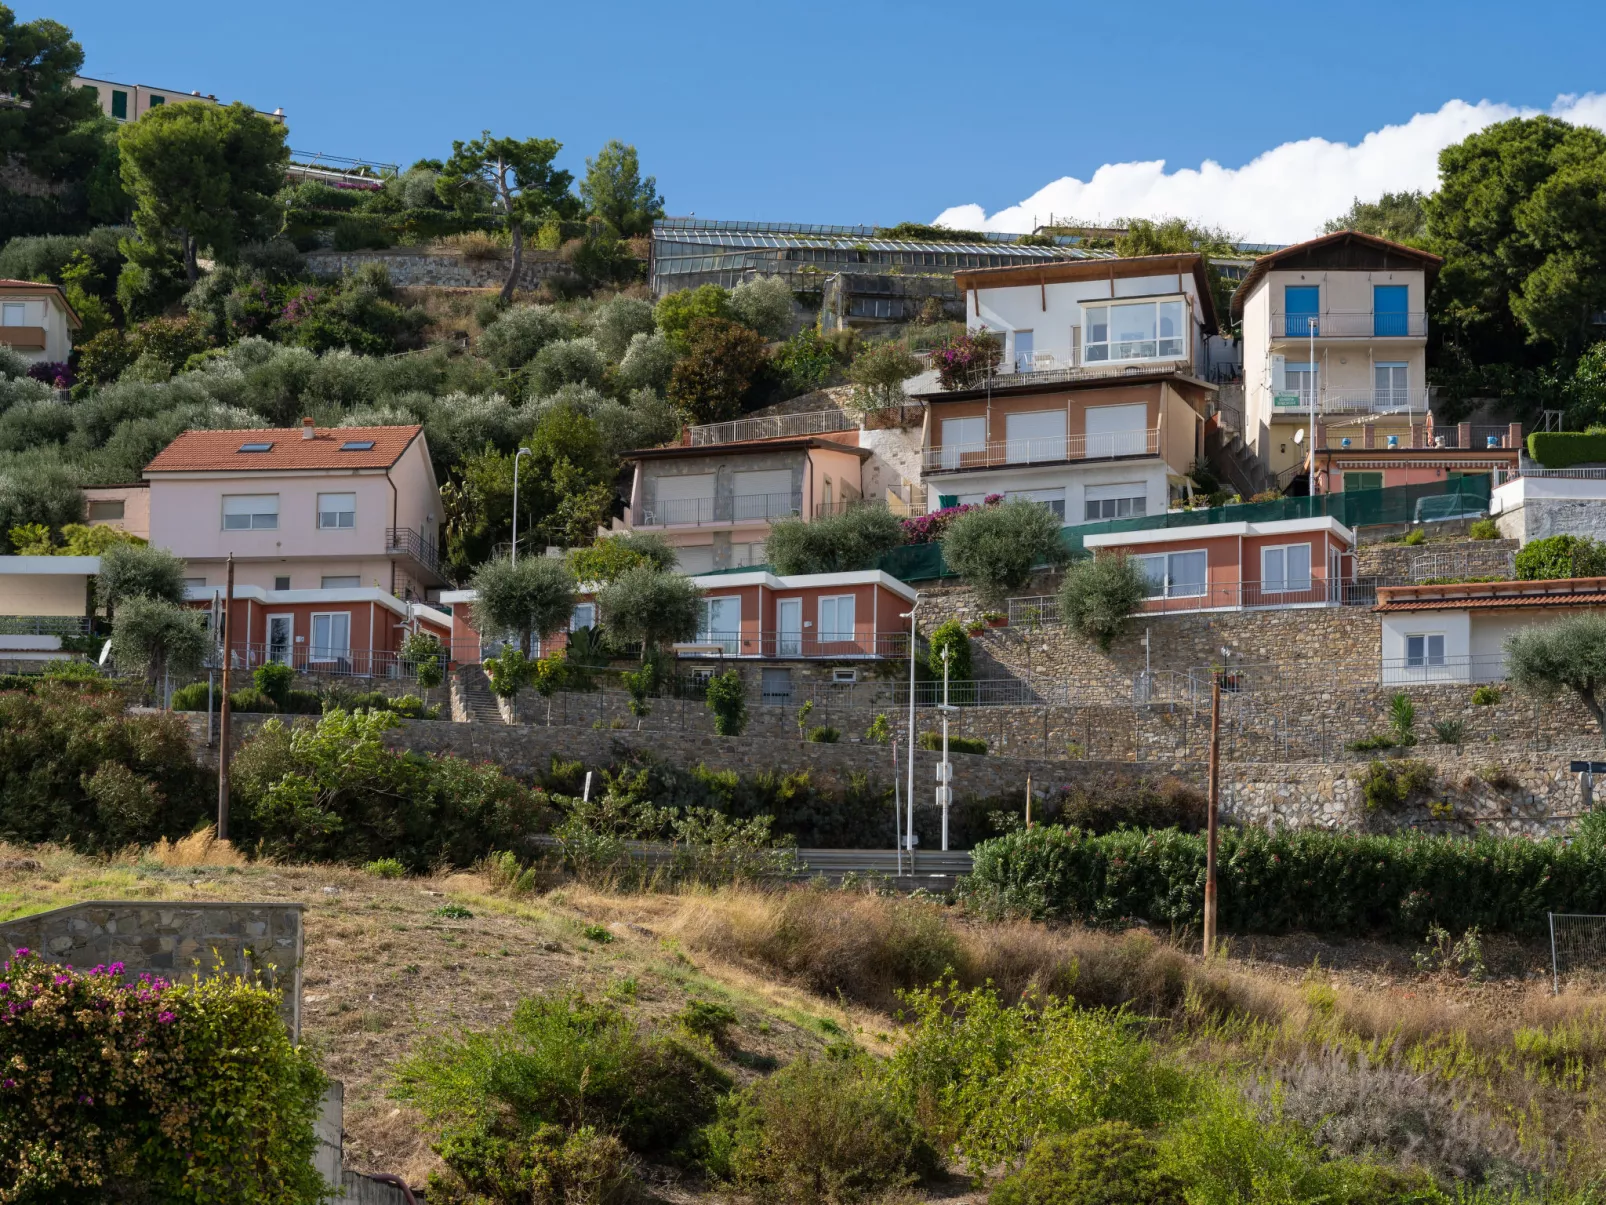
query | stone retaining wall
(173,940)
(1473,558)
(421,266)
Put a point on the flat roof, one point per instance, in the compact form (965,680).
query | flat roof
(1114,379)
(1213,531)
(50,565)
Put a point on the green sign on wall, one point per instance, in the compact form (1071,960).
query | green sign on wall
(1283,401)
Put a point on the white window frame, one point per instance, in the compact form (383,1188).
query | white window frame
(1136,501)
(590,620)
(1165,590)
(706,635)
(1112,351)
(789,644)
(1395,397)
(1426,659)
(255,519)
(10,308)
(337,515)
(354,579)
(954,453)
(290,637)
(1284,583)
(833,634)
(327,653)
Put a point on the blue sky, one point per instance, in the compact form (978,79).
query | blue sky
(868,112)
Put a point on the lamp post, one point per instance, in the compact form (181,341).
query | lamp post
(513,555)
(1312,436)
(909,838)
(945,772)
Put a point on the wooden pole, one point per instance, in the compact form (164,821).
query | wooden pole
(1210,817)
(1028,801)
(223,715)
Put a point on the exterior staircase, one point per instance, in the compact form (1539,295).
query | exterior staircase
(472,700)
(1237,463)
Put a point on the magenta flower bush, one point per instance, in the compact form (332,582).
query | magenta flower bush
(114,1088)
(55,373)
(965,359)
(930,528)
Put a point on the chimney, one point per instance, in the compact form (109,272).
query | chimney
(306,428)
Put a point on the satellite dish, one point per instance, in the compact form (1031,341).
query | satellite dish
(1299,436)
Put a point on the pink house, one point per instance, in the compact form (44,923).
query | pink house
(1235,566)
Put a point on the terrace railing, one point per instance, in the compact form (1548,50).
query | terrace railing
(1361,324)
(802,646)
(43,625)
(733,508)
(1050,450)
(409,542)
(774,426)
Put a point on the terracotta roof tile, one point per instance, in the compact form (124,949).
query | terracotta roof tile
(1457,596)
(214,451)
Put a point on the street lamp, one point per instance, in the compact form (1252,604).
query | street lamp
(1311,378)
(513,556)
(910,615)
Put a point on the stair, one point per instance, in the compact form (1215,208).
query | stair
(1237,463)
(472,700)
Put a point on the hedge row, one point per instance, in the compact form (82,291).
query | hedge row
(1562,449)
(1272,882)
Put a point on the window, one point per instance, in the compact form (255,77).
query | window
(1126,501)
(337,510)
(1116,430)
(108,511)
(1301,303)
(1053,499)
(1390,318)
(331,636)
(344,581)
(962,437)
(157,99)
(250,512)
(14,313)
(584,615)
(1034,436)
(695,558)
(1424,650)
(775,686)
(1023,351)
(281,583)
(836,619)
(1362,481)
(357,445)
(1285,569)
(1389,387)
(195,583)
(1135,330)
(1301,380)
(743,555)
(844,674)
(1174,574)
(722,624)
(119,104)
(256,447)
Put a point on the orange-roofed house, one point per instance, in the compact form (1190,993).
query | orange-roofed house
(334,534)
(36,322)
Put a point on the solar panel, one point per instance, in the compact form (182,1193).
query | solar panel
(267,447)
(357,445)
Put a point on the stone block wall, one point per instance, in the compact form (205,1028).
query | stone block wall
(1471,558)
(173,940)
(422,266)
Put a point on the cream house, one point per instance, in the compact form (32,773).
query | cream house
(36,321)
(130,102)
(1338,322)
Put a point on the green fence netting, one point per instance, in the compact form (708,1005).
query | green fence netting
(1452,498)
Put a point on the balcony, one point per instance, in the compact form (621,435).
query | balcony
(809,644)
(1244,596)
(23,338)
(703,512)
(1043,368)
(411,543)
(1397,437)
(1359,325)
(1056,450)
(775,426)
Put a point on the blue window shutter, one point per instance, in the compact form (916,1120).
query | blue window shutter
(1301,303)
(1390,317)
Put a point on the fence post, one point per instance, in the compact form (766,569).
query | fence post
(1555,971)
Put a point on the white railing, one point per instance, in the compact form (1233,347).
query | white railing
(736,508)
(1368,401)
(1363,324)
(1045,368)
(774,426)
(1047,450)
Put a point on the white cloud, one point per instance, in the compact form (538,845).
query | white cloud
(1282,195)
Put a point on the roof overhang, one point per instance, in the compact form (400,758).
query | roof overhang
(1215,531)
(1118,268)
(802,444)
(1112,381)
(1460,596)
(50,566)
(1381,249)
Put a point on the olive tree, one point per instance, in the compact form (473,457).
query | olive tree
(763,304)
(835,544)
(532,596)
(878,373)
(1569,654)
(158,638)
(996,548)
(129,571)
(1100,594)
(653,606)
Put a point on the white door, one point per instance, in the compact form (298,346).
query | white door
(722,624)
(281,638)
(963,441)
(1035,436)
(789,627)
(1390,390)
(1117,430)
(1023,351)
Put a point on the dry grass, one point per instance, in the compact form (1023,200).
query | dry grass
(477,244)
(198,849)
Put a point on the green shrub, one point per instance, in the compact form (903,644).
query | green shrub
(1561,557)
(727,699)
(385,868)
(560,1061)
(706,1019)
(817,1132)
(251,700)
(118,1091)
(275,681)
(880,730)
(952,637)
(825,735)
(997,548)
(956,744)
(1415,538)
(192,697)
(1487,696)
(1449,732)
(1128,803)
(1328,882)
(1563,449)
(1100,594)
(843,543)
(1111,1163)
(1389,786)
(1484,529)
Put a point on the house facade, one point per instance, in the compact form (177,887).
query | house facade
(36,322)
(1282,563)
(1389,452)
(357,632)
(301,508)
(714,503)
(125,508)
(1550,502)
(130,102)
(42,599)
(1457,632)
(1338,323)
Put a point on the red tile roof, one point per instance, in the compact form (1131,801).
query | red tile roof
(214,451)
(1457,596)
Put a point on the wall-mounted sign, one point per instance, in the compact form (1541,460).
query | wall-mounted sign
(1285,401)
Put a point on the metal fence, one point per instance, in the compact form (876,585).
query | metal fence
(731,508)
(43,625)
(775,426)
(1577,942)
(984,692)
(1483,562)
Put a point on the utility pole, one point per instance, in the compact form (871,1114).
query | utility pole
(945,771)
(224,714)
(1312,436)
(1210,817)
(909,794)
(1028,801)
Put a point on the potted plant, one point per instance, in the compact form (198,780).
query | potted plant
(995,619)
(975,627)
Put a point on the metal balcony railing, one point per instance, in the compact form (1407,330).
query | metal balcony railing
(803,646)
(1354,325)
(1465,437)
(409,542)
(1052,450)
(340,662)
(733,508)
(1483,562)
(1043,368)
(1364,401)
(842,506)
(43,625)
(775,426)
